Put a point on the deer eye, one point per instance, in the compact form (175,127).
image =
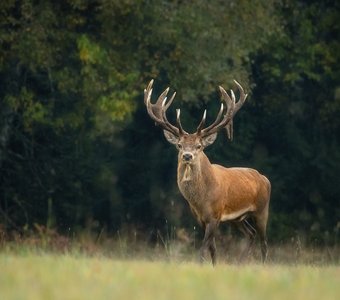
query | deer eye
(179,146)
(198,146)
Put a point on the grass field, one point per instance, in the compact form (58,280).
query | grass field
(75,276)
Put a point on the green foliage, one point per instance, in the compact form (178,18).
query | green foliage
(32,111)
(207,43)
(297,82)
(77,148)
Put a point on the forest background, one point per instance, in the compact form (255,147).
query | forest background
(79,152)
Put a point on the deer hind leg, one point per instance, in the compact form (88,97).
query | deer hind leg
(250,233)
(212,249)
(209,242)
(261,226)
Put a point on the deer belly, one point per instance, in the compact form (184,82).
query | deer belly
(240,214)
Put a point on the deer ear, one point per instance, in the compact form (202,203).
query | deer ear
(171,138)
(208,140)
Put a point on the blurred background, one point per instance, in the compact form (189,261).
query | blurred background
(79,152)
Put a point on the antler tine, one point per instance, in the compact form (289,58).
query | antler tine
(243,97)
(172,128)
(201,124)
(217,120)
(178,120)
(158,106)
(170,101)
(230,102)
(148,91)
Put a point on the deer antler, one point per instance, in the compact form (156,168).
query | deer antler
(157,111)
(227,120)
(224,119)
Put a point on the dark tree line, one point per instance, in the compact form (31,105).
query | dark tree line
(77,147)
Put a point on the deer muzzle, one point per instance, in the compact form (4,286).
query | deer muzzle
(187,157)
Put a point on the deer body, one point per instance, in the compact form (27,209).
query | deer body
(215,194)
(223,194)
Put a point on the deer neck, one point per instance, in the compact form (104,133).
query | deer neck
(195,179)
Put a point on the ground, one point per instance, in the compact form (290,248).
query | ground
(32,275)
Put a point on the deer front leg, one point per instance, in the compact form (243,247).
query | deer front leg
(209,242)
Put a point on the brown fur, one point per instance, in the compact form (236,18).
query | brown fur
(216,193)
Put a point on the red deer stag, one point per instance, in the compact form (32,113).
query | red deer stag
(215,193)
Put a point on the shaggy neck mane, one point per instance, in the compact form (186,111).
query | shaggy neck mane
(199,173)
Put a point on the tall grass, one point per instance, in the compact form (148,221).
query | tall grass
(42,264)
(173,246)
(76,276)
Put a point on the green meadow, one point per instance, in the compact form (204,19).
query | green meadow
(76,276)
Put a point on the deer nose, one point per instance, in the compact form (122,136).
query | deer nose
(187,156)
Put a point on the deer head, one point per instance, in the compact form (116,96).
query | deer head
(190,145)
